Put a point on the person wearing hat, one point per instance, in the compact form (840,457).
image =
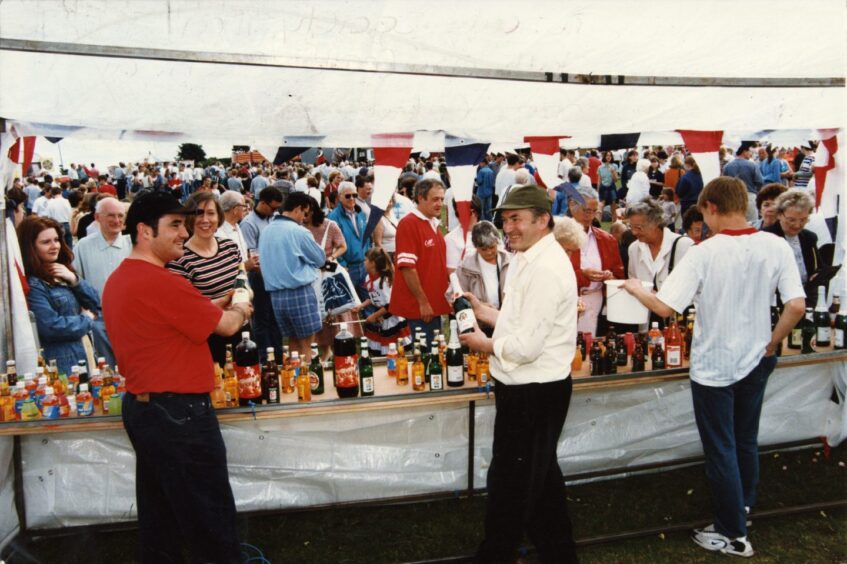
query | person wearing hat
(159,324)
(531,349)
(742,167)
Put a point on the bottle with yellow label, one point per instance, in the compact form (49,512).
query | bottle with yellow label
(418,372)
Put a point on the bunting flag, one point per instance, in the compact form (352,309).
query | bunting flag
(704,147)
(824,162)
(23,337)
(545,155)
(615,141)
(463,157)
(285,154)
(391,153)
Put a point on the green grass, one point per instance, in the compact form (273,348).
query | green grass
(453,527)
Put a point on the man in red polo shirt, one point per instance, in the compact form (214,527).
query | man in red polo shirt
(419,292)
(158,324)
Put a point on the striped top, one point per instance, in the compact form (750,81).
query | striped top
(213,276)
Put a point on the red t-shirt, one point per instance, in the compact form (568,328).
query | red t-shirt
(593,166)
(108,189)
(158,324)
(419,246)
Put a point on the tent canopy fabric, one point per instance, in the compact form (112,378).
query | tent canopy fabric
(258,105)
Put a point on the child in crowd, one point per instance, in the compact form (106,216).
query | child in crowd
(668,207)
(381,328)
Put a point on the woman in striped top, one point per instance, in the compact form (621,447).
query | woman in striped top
(209,263)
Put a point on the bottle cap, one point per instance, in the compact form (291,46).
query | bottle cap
(654,325)
(10,363)
(42,380)
(392,347)
(49,390)
(269,350)
(295,354)
(245,335)
(19,385)
(342,326)
(95,372)
(83,387)
(29,376)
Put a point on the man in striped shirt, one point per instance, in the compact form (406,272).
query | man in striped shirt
(731,278)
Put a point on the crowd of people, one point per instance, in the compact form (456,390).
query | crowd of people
(614,215)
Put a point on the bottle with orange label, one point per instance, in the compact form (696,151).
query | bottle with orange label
(107,390)
(295,366)
(94,385)
(302,380)
(402,365)
(7,404)
(673,346)
(346,364)
(84,402)
(418,372)
(473,365)
(391,361)
(247,371)
(49,404)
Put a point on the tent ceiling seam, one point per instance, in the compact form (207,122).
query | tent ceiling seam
(208,57)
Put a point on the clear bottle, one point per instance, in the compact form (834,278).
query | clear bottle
(473,365)
(483,372)
(7,404)
(655,336)
(49,404)
(106,391)
(40,391)
(823,327)
(73,379)
(453,356)
(402,365)
(95,385)
(31,385)
(218,395)
(230,380)
(84,402)
(286,376)
(19,396)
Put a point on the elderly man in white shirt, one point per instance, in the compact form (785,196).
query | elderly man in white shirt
(234,208)
(97,255)
(533,344)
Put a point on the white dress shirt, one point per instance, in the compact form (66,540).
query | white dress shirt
(233,232)
(535,334)
(643,266)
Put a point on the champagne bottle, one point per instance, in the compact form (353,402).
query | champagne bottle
(465,317)
(841,327)
(822,320)
(241,291)
(453,356)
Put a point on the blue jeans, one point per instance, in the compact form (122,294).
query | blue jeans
(181,479)
(728,422)
(486,208)
(427,328)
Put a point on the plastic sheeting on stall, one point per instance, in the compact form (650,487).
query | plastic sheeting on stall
(363,456)
(9,524)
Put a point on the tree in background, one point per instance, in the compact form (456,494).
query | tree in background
(191,152)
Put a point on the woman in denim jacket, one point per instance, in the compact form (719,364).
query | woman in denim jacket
(65,307)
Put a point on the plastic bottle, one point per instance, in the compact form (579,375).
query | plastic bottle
(483,372)
(346,369)
(84,402)
(7,404)
(30,411)
(73,379)
(64,405)
(218,396)
(19,396)
(247,371)
(49,404)
(40,391)
(107,390)
(655,336)
(391,361)
(673,348)
(30,384)
(95,385)
(294,368)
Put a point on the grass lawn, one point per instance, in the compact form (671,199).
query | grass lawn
(453,527)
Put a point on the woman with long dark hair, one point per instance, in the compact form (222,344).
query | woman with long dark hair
(690,185)
(65,307)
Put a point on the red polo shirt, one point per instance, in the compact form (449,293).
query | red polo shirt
(158,324)
(421,247)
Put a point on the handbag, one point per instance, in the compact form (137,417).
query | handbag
(339,294)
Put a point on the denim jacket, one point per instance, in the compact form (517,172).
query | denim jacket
(59,320)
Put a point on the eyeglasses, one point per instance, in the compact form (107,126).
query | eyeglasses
(349,196)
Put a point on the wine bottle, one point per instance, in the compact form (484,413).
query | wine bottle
(822,320)
(808,331)
(465,317)
(841,327)
(366,372)
(434,371)
(453,356)
(241,291)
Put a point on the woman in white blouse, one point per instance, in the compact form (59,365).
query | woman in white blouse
(638,187)
(658,249)
(483,273)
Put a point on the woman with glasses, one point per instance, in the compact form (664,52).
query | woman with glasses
(210,263)
(595,262)
(793,208)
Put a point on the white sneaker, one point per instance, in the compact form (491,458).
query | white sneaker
(713,541)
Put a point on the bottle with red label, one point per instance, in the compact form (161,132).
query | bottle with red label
(64,404)
(673,346)
(346,364)
(247,371)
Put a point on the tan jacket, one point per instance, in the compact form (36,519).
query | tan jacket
(470,275)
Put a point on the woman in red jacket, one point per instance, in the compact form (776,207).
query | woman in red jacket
(598,260)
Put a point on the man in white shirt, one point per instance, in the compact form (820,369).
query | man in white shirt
(59,208)
(566,159)
(531,350)
(506,175)
(731,278)
(232,203)
(97,255)
(364,189)
(431,171)
(39,207)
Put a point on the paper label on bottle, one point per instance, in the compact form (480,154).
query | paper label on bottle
(85,407)
(273,395)
(249,381)
(674,357)
(435,382)
(455,374)
(796,337)
(391,363)
(465,320)
(313,380)
(19,404)
(368,385)
(839,338)
(823,335)
(346,372)
(50,411)
(240,296)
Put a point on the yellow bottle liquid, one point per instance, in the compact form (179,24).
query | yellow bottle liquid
(482,369)
(473,359)
(418,373)
(402,367)
(218,395)
(230,380)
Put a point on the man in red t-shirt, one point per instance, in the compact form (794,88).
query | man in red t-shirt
(158,325)
(594,163)
(419,293)
(105,187)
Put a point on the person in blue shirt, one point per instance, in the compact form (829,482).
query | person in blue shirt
(485,187)
(352,221)
(66,308)
(690,185)
(567,191)
(290,262)
(769,166)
